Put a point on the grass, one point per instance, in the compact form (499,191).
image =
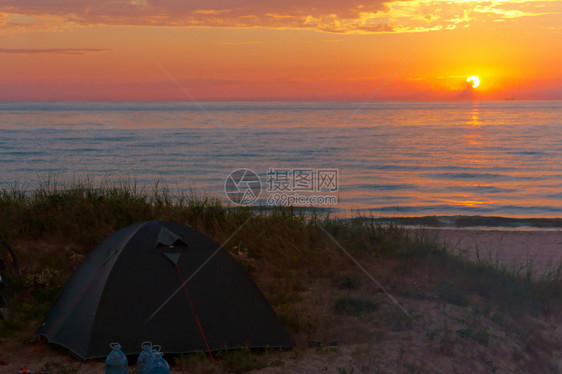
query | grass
(342,370)
(354,305)
(231,361)
(310,283)
(240,361)
(58,368)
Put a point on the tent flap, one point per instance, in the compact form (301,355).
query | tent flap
(168,238)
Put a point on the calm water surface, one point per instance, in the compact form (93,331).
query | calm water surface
(406,158)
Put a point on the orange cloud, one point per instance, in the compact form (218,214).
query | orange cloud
(354,16)
(211,11)
(54,51)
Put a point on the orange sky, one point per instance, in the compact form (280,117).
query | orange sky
(279,50)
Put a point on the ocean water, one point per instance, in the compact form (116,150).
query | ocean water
(392,158)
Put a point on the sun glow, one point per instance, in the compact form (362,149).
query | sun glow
(475,81)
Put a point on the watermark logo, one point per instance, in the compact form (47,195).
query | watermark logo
(285,186)
(302,180)
(243,186)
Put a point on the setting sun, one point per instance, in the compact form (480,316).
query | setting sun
(475,81)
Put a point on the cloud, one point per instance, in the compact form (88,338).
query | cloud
(210,11)
(52,51)
(333,16)
(241,43)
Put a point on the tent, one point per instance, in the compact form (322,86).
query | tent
(163,282)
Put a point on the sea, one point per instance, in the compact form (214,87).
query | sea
(410,159)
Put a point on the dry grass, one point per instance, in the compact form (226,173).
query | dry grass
(320,295)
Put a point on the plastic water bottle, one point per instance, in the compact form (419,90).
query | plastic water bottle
(142,361)
(158,365)
(153,351)
(116,361)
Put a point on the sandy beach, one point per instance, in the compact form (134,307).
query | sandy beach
(542,248)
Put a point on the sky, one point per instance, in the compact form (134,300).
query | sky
(280,50)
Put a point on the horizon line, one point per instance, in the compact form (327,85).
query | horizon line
(279,100)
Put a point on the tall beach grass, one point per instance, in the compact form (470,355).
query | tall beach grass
(302,271)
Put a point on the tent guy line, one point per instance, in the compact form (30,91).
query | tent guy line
(197,270)
(194,313)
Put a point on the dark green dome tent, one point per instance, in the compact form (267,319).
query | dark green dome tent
(166,283)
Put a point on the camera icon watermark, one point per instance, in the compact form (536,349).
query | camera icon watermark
(243,186)
(284,187)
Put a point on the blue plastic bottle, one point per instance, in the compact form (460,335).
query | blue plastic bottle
(158,365)
(142,361)
(116,361)
(153,351)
